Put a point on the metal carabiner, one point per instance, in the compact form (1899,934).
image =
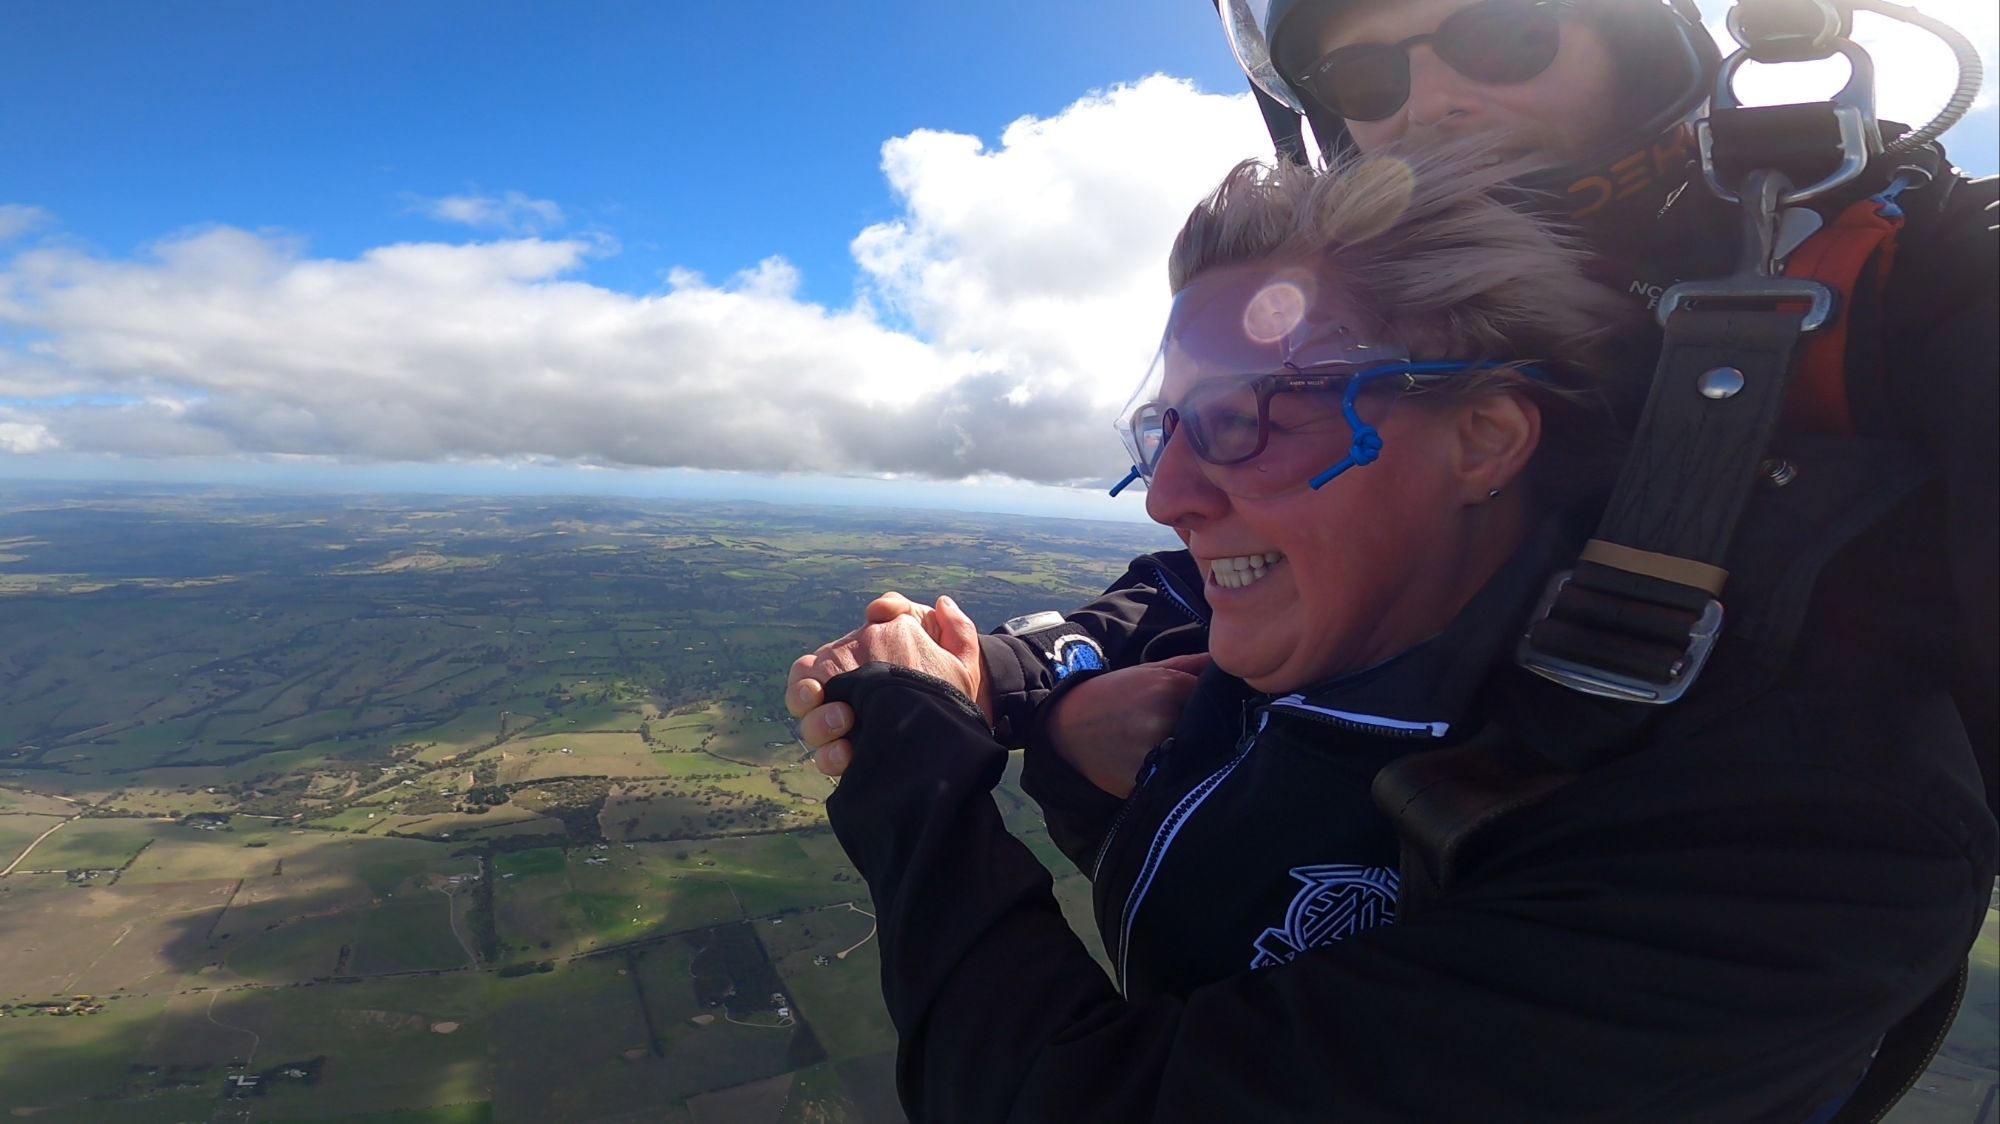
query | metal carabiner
(1756,278)
(1852,109)
(1788,30)
(1764,194)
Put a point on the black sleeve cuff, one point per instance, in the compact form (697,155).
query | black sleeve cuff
(1016,683)
(1022,670)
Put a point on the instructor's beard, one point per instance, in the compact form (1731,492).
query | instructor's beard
(1524,140)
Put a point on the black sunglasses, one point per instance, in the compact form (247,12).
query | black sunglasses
(1499,42)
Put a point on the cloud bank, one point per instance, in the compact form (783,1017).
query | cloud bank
(1000,319)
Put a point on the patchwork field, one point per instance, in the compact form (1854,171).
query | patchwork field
(392,812)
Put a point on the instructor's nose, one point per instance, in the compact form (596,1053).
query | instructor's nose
(1440,98)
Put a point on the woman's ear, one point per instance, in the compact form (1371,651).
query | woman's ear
(1497,434)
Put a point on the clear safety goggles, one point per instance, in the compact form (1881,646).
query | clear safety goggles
(1263,435)
(1262,371)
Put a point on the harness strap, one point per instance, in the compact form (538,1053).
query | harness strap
(1636,617)
(1715,402)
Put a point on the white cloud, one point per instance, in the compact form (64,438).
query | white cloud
(16,437)
(513,213)
(17,219)
(1005,314)
(1048,254)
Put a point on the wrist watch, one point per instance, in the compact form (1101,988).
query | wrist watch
(1031,622)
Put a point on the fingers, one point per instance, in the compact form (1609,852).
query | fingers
(954,631)
(1105,726)
(888,607)
(823,726)
(898,632)
(802,693)
(1194,664)
(834,757)
(826,724)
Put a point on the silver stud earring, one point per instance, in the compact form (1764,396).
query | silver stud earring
(1494,494)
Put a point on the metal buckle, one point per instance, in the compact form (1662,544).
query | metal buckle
(1820,297)
(1756,277)
(1591,680)
(1853,111)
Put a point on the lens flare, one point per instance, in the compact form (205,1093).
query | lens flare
(1274,312)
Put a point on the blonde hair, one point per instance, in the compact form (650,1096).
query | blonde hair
(1433,243)
(1439,248)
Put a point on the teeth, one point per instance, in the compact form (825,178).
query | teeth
(1235,573)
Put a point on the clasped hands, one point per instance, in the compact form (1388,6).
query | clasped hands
(940,641)
(1103,727)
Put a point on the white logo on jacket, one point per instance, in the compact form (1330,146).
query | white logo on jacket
(1337,902)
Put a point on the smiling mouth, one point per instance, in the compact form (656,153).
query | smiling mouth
(1235,573)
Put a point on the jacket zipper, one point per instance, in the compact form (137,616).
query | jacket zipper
(1180,597)
(1340,719)
(1372,724)
(1163,840)
(1147,768)
(1181,600)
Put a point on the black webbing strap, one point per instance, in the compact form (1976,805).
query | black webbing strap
(1286,127)
(1805,141)
(1635,617)
(1441,799)
(1700,437)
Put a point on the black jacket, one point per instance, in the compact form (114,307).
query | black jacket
(1715,926)
(1184,895)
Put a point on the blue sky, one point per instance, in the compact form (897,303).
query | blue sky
(705,136)
(473,245)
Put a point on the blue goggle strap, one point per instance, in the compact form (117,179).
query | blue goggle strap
(1367,443)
